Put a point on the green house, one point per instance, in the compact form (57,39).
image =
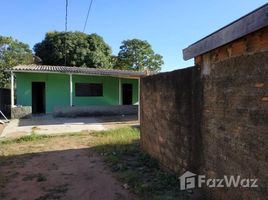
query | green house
(46,88)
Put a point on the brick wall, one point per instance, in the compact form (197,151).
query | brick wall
(169,118)
(250,44)
(235,122)
(212,120)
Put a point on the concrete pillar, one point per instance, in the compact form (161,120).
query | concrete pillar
(120,92)
(12,90)
(71,90)
(139,105)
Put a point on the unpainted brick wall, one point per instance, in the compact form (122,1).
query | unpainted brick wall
(212,120)
(235,123)
(170,118)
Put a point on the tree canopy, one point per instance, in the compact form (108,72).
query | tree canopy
(81,50)
(138,54)
(12,52)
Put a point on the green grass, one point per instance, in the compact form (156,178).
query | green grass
(36,137)
(26,138)
(136,170)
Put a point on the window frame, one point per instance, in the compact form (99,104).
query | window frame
(89,92)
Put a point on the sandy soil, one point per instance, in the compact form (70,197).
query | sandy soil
(56,169)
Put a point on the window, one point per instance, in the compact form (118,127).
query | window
(88,89)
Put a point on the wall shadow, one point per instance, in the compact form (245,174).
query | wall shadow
(71,174)
(82,174)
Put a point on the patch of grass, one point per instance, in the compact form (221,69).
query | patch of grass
(26,138)
(114,143)
(135,169)
(117,136)
(36,137)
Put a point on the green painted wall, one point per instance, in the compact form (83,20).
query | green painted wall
(110,90)
(57,89)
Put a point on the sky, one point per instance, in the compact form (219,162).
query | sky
(169,26)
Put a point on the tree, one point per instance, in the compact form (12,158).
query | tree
(81,50)
(137,54)
(12,52)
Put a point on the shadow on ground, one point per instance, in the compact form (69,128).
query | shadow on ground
(81,173)
(64,174)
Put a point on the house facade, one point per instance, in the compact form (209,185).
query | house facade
(46,88)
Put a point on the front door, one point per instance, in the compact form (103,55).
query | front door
(38,97)
(127,94)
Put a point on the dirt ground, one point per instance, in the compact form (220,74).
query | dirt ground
(59,168)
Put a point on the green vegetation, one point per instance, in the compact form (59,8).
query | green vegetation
(138,54)
(82,50)
(26,138)
(36,137)
(12,52)
(135,169)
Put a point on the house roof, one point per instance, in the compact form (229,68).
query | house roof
(249,23)
(78,70)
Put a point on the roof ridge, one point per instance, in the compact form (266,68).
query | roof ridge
(78,70)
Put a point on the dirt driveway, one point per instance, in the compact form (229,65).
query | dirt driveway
(58,168)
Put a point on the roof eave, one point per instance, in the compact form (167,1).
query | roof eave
(75,73)
(245,25)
